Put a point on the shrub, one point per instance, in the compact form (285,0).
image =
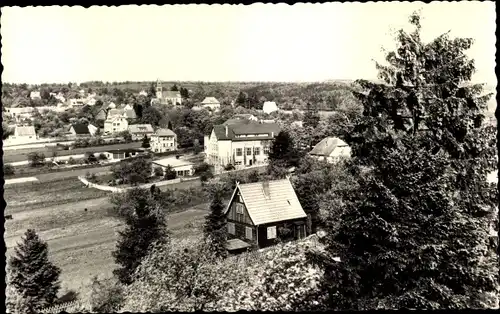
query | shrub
(102,156)
(36,159)
(158,172)
(8,170)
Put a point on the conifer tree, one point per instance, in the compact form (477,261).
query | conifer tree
(32,274)
(415,234)
(283,153)
(214,230)
(145,225)
(145,142)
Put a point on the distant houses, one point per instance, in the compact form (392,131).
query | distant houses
(120,154)
(76,103)
(240,143)
(166,96)
(331,149)
(182,167)
(20,113)
(211,102)
(138,131)
(246,116)
(143,93)
(263,213)
(269,106)
(163,140)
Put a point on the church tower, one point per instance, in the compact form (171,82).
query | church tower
(159,89)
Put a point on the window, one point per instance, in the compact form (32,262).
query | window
(163,144)
(239,208)
(248,233)
(230,228)
(256,151)
(271,232)
(238,163)
(239,152)
(266,150)
(249,151)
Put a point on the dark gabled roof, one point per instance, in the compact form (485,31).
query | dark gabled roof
(246,128)
(80,128)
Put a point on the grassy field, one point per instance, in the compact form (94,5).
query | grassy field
(80,242)
(22,154)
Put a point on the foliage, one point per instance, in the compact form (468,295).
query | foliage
(6,130)
(215,230)
(311,116)
(158,172)
(283,152)
(127,137)
(170,173)
(204,171)
(414,234)
(105,296)
(145,142)
(32,274)
(145,224)
(102,156)
(90,158)
(8,170)
(36,159)
(135,171)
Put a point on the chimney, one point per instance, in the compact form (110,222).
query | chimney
(265,187)
(227,131)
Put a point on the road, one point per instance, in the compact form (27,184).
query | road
(58,158)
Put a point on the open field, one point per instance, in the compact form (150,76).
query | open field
(22,154)
(56,173)
(80,241)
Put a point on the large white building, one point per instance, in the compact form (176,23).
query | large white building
(166,96)
(22,135)
(269,106)
(163,140)
(240,144)
(115,124)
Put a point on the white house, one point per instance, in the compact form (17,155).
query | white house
(211,102)
(23,135)
(143,93)
(331,149)
(35,95)
(181,166)
(269,106)
(76,102)
(240,144)
(163,140)
(115,124)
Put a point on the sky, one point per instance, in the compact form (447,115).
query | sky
(260,42)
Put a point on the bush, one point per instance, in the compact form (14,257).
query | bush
(158,172)
(8,170)
(170,173)
(36,159)
(102,156)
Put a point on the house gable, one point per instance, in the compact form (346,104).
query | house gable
(233,214)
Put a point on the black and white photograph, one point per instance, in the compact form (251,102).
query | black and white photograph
(263,157)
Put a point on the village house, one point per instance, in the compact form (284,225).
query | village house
(269,106)
(120,154)
(331,149)
(163,140)
(35,95)
(262,213)
(20,113)
(182,167)
(239,144)
(211,102)
(138,131)
(127,114)
(82,130)
(76,103)
(23,135)
(143,93)
(115,124)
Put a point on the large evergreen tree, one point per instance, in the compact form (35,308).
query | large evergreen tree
(415,234)
(214,230)
(311,116)
(283,152)
(32,274)
(145,224)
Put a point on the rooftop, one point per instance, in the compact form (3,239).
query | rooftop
(140,128)
(80,128)
(164,132)
(173,162)
(327,146)
(236,244)
(279,203)
(25,131)
(210,100)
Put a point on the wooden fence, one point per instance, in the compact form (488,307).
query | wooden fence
(72,306)
(144,186)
